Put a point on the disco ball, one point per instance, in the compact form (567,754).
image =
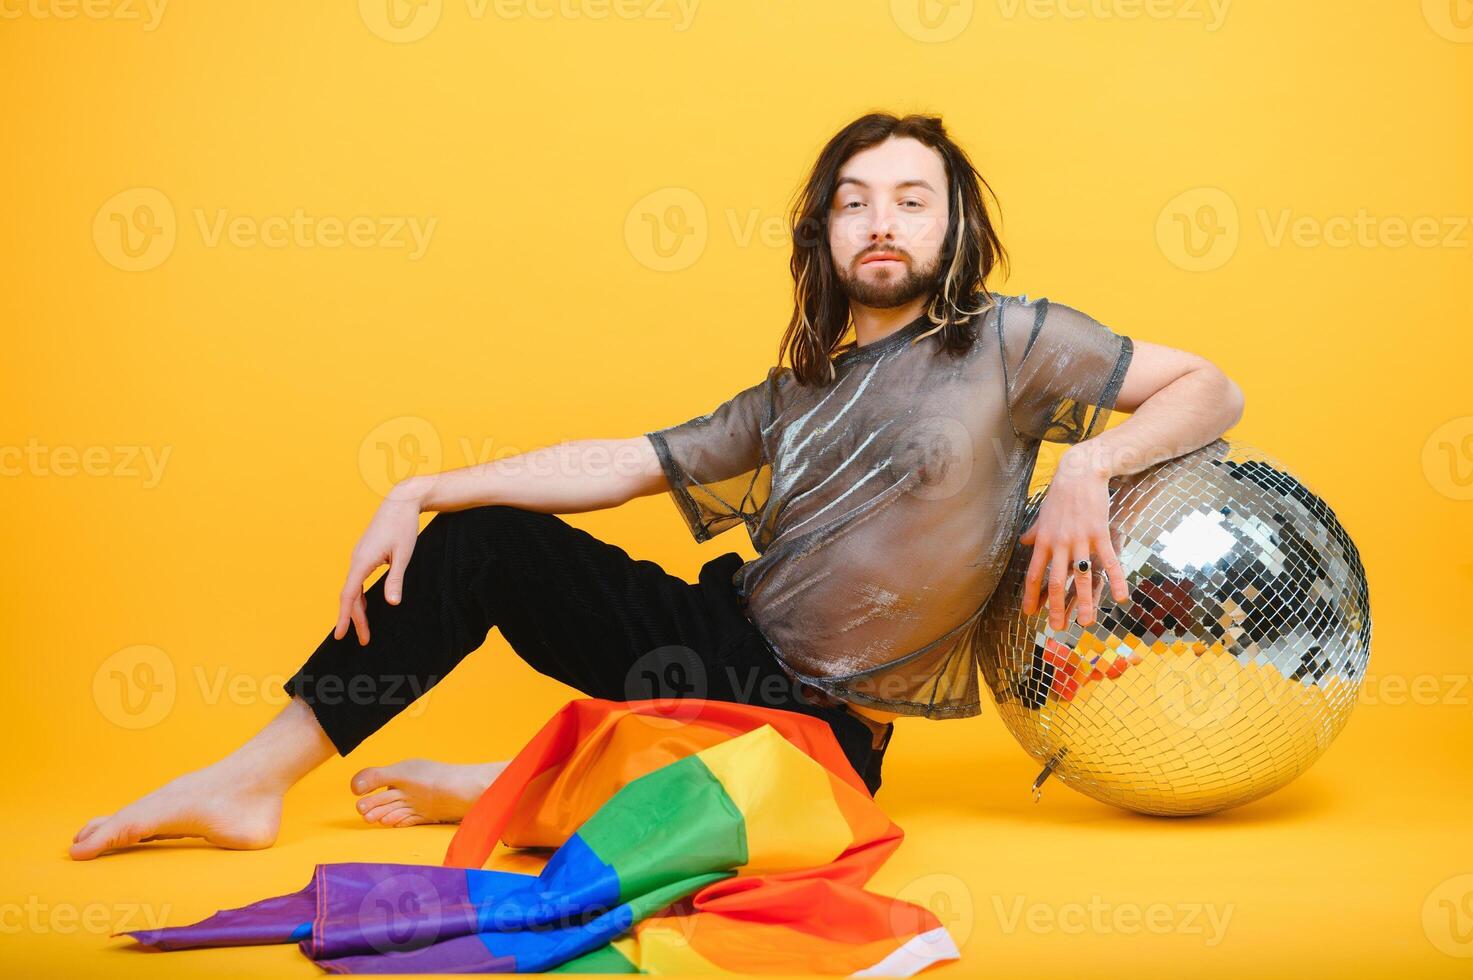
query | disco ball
(1231,668)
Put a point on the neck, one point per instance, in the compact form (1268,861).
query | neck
(874,323)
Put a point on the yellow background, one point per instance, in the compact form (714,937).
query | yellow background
(543,310)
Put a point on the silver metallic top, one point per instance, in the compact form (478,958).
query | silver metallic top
(884,505)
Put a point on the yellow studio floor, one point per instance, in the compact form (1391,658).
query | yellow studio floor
(1350,871)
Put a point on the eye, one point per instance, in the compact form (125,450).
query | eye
(918,204)
(860,203)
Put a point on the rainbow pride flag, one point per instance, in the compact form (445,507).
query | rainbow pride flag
(657,836)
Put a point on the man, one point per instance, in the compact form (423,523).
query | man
(881,482)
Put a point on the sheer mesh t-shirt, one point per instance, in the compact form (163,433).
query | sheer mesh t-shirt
(884,505)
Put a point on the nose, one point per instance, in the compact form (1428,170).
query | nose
(883,224)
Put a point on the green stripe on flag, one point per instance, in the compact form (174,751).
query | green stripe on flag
(668,825)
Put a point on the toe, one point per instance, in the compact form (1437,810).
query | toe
(110,835)
(88,827)
(379,799)
(413,820)
(396,818)
(377,813)
(369,779)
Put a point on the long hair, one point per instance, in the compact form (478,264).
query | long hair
(969,252)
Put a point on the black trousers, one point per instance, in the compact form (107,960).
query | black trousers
(576,609)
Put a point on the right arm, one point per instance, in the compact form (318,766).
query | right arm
(565,478)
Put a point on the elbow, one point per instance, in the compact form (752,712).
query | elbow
(1235,401)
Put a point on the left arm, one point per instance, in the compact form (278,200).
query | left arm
(1179,402)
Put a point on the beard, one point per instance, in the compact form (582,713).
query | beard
(892,289)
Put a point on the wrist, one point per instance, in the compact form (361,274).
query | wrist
(413,490)
(1086,460)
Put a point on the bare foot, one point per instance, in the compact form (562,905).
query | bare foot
(419,791)
(213,803)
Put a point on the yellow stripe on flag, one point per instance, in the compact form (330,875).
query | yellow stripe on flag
(786,799)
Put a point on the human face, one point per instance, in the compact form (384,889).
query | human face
(887,223)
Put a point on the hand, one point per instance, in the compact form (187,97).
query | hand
(390,538)
(1073,522)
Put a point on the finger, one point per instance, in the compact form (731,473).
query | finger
(1083,589)
(360,619)
(1058,572)
(345,607)
(352,592)
(394,581)
(1110,565)
(1032,580)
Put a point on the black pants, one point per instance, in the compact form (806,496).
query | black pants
(573,607)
